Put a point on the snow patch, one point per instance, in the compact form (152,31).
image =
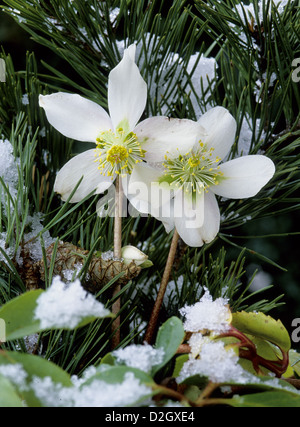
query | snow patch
(66,305)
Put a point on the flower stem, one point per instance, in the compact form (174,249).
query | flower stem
(118,219)
(118,254)
(165,391)
(163,286)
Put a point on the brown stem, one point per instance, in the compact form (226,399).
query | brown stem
(247,350)
(207,392)
(118,254)
(295,382)
(183,349)
(172,393)
(163,286)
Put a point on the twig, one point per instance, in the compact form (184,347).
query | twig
(183,349)
(117,253)
(163,286)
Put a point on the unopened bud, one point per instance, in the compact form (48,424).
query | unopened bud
(131,253)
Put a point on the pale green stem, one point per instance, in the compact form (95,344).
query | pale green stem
(118,254)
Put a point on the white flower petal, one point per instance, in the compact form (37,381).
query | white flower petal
(144,185)
(193,234)
(244,177)
(189,217)
(162,135)
(165,213)
(211,224)
(127,92)
(81,165)
(168,222)
(74,116)
(142,191)
(220,129)
(141,206)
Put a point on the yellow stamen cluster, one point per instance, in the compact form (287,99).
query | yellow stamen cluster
(117,153)
(193,172)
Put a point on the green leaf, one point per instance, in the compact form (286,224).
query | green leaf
(295,361)
(108,359)
(180,361)
(35,366)
(269,399)
(18,315)
(170,336)
(262,326)
(116,374)
(146,264)
(265,392)
(192,393)
(9,398)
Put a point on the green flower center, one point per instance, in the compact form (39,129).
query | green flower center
(117,153)
(194,172)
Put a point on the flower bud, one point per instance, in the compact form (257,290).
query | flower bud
(131,253)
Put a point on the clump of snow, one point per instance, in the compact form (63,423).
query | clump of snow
(8,170)
(16,374)
(260,84)
(202,73)
(107,256)
(32,244)
(196,342)
(246,12)
(25,99)
(245,138)
(31,239)
(207,314)
(260,279)
(96,394)
(217,363)
(249,129)
(87,374)
(31,342)
(9,250)
(114,14)
(250,11)
(71,274)
(143,357)
(9,166)
(66,305)
(194,78)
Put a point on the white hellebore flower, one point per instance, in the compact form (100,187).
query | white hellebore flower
(118,148)
(181,180)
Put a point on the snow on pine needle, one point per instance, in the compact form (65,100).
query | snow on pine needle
(65,306)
